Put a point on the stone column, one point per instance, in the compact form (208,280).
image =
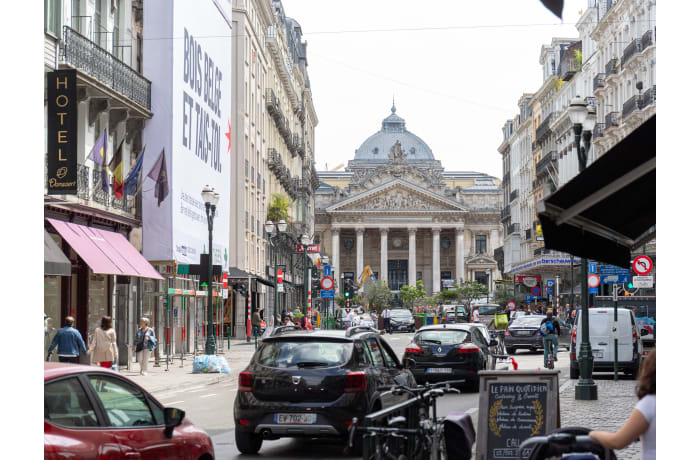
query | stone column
(459,262)
(436,260)
(468,242)
(336,257)
(412,256)
(493,241)
(384,267)
(359,251)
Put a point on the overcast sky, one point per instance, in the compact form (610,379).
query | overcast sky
(454,86)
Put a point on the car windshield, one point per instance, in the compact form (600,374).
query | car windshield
(303,353)
(400,313)
(528,321)
(442,337)
(487,309)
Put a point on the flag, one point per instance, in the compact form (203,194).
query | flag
(116,167)
(133,180)
(98,154)
(555,6)
(159,173)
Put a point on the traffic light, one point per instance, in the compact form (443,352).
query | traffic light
(351,289)
(346,288)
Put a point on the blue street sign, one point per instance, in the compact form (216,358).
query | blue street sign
(550,283)
(548,291)
(327,270)
(593,290)
(330,294)
(612,274)
(528,298)
(592,267)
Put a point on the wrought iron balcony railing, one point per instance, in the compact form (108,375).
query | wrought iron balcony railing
(599,130)
(85,55)
(612,119)
(611,67)
(549,159)
(543,129)
(649,97)
(505,213)
(599,81)
(631,105)
(513,228)
(647,39)
(635,47)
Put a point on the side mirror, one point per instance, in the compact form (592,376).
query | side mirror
(173,417)
(493,343)
(410,363)
(644,332)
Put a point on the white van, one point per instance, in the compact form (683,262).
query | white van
(602,330)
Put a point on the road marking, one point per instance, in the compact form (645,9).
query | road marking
(171,403)
(564,386)
(196,391)
(206,396)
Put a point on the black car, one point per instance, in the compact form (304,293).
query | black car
(523,332)
(312,384)
(402,320)
(449,352)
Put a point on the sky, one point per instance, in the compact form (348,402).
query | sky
(456,76)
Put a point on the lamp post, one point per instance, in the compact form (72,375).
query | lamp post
(275,232)
(583,118)
(306,241)
(325,260)
(211,198)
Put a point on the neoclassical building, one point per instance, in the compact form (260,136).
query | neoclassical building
(397,210)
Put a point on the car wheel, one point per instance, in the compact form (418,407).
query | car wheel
(510,351)
(573,373)
(248,443)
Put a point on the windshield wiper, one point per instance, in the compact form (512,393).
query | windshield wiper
(437,342)
(311,364)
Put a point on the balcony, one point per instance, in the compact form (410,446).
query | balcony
(568,68)
(513,228)
(513,195)
(543,129)
(611,67)
(612,119)
(543,252)
(590,101)
(599,81)
(634,48)
(647,39)
(599,130)
(272,103)
(631,105)
(505,213)
(274,161)
(649,97)
(547,160)
(85,55)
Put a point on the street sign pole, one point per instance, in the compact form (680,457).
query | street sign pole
(615,328)
(586,389)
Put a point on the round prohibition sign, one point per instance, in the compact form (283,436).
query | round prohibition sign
(510,305)
(593,280)
(327,283)
(642,265)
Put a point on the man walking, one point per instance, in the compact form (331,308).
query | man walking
(386,319)
(548,327)
(255,321)
(70,343)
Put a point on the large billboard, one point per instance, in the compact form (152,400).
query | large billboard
(187,57)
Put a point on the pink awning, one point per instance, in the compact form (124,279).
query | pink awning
(105,252)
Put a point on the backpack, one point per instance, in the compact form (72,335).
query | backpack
(546,328)
(501,321)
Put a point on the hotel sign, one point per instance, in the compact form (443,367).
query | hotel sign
(62,133)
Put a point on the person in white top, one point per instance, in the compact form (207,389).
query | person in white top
(475,314)
(642,421)
(386,319)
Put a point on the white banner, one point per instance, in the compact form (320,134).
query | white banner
(187,57)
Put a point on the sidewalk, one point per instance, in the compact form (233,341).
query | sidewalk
(612,409)
(161,379)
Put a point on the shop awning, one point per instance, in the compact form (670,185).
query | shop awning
(610,208)
(238,274)
(55,262)
(105,252)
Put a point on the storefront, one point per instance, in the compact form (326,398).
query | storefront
(56,266)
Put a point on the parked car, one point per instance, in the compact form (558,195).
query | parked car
(602,339)
(449,352)
(523,333)
(453,314)
(487,312)
(92,412)
(341,314)
(312,383)
(402,320)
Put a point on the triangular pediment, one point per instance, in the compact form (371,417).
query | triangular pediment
(481,259)
(397,196)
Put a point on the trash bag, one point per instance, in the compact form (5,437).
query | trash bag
(206,364)
(223,364)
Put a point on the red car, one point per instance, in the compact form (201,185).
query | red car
(91,412)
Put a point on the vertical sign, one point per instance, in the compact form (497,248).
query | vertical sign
(62,132)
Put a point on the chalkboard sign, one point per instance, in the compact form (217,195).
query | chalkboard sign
(513,406)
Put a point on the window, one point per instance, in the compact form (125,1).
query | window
(124,404)
(66,404)
(52,17)
(362,356)
(482,277)
(375,353)
(252,174)
(480,244)
(246,169)
(388,357)
(285,354)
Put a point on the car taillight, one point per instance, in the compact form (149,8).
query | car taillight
(634,336)
(468,348)
(355,382)
(412,348)
(507,332)
(245,381)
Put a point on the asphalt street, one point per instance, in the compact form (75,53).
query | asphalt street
(210,407)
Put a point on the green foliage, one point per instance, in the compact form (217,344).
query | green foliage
(471,290)
(298,316)
(340,299)
(378,296)
(448,296)
(411,294)
(278,208)
(579,59)
(503,295)
(357,300)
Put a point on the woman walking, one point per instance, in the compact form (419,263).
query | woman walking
(143,345)
(103,346)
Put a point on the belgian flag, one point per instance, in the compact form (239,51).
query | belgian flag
(116,167)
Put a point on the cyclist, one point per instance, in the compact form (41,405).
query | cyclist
(548,327)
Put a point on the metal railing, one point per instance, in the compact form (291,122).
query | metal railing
(546,160)
(611,67)
(568,68)
(85,55)
(612,119)
(272,103)
(647,39)
(649,97)
(513,195)
(631,105)
(505,213)
(635,47)
(513,228)
(599,81)
(599,130)
(543,129)
(590,101)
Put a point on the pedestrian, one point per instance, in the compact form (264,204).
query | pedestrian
(297,309)
(642,420)
(569,315)
(288,321)
(306,323)
(475,314)
(143,345)
(255,321)
(317,317)
(69,341)
(386,319)
(103,346)
(548,326)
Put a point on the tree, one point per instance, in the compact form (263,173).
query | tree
(357,300)
(410,294)
(471,290)
(503,295)
(278,208)
(340,299)
(378,296)
(448,296)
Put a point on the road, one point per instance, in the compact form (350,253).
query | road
(210,407)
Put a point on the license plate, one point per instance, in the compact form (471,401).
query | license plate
(439,370)
(598,354)
(295,419)
(522,332)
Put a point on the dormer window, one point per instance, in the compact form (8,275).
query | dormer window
(375,150)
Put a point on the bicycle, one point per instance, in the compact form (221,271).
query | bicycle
(569,440)
(430,431)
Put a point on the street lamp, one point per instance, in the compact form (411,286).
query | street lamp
(211,198)
(583,119)
(275,233)
(306,240)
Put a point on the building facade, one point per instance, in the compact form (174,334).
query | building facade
(396,210)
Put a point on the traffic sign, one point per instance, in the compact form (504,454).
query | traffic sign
(550,283)
(593,280)
(643,281)
(326,294)
(327,283)
(612,274)
(642,265)
(310,249)
(280,276)
(225,278)
(536,291)
(528,298)
(592,267)
(511,305)
(327,270)
(593,290)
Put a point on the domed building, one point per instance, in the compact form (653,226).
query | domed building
(396,210)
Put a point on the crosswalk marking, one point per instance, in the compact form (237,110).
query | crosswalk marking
(206,396)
